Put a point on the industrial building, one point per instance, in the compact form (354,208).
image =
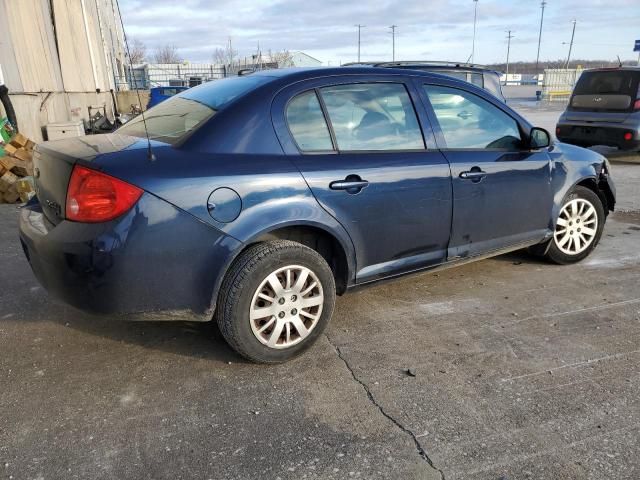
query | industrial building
(59,58)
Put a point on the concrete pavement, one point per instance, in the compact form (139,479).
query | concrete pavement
(522,370)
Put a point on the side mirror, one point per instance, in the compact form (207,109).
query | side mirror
(539,138)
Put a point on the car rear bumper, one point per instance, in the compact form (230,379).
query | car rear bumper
(591,134)
(153,263)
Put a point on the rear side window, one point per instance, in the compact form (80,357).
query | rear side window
(307,125)
(470,122)
(372,116)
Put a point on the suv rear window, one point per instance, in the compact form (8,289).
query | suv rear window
(175,118)
(606,90)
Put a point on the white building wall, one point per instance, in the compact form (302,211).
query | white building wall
(53,73)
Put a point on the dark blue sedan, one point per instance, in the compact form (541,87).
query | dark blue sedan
(255,200)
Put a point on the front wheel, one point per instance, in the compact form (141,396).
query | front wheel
(578,227)
(275,301)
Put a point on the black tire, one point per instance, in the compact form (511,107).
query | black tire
(554,253)
(241,282)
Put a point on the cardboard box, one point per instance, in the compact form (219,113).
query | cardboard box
(22,169)
(7,163)
(10,149)
(7,180)
(19,140)
(23,154)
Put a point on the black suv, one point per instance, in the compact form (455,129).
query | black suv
(478,75)
(604,109)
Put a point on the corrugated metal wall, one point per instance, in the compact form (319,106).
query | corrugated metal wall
(53,73)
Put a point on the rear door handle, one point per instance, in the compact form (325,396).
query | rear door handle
(352,184)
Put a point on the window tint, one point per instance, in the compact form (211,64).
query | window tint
(307,124)
(372,116)
(173,119)
(468,121)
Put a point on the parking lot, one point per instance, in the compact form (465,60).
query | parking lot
(506,368)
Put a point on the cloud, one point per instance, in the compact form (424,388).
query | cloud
(438,29)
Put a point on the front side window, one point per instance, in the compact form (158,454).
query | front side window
(468,121)
(372,116)
(306,123)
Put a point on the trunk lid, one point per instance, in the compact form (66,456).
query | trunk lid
(54,161)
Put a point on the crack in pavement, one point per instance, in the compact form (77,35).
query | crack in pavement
(421,451)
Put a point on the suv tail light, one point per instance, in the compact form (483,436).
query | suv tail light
(636,105)
(94,197)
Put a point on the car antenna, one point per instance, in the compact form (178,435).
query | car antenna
(150,154)
(619,62)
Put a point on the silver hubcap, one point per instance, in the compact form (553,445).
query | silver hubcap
(286,307)
(576,227)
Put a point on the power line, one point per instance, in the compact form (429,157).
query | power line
(542,5)
(393,39)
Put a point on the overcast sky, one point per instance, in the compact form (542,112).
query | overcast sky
(427,29)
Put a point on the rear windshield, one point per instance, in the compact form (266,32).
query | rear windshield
(175,118)
(616,82)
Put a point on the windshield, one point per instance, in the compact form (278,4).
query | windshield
(175,118)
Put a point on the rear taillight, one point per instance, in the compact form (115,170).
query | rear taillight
(636,105)
(628,136)
(96,197)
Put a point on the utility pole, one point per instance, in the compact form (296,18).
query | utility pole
(359,28)
(509,37)
(475,19)
(542,5)
(393,39)
(573,34)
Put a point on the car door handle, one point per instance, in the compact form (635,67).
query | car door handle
(473,175)
(352,184)
(465,115)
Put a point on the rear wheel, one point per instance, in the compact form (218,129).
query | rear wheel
(578,227)
(275,301)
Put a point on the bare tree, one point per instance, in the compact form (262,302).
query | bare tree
(283,58)
(167,54)
(137,52)
(225,56)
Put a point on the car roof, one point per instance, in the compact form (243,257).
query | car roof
(631,68)
(294,74)
(427,64)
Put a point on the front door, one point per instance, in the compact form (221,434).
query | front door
(362,152)
(501,191)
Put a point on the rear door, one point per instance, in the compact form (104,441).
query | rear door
(359,145)
(501,191)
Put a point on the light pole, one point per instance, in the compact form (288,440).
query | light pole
(359,28)
(509,37)
(475,19)
(542,5)
(393,40)
(573,34)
